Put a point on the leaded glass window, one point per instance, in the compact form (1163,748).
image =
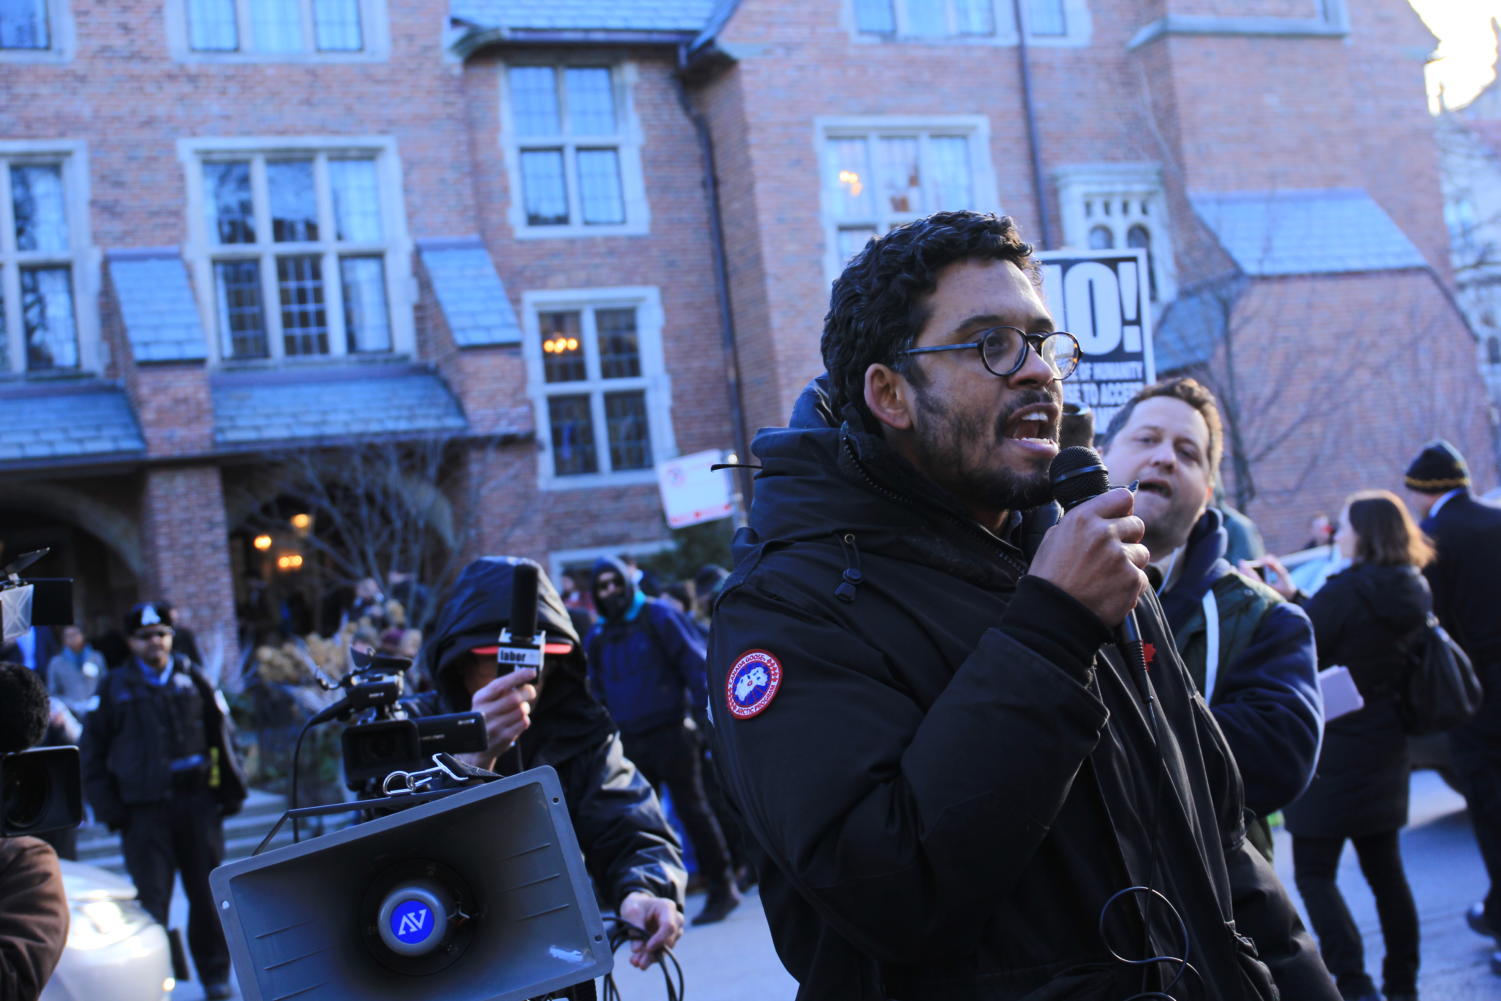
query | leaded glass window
(39,326)
(595,392)
(569,138)
(306,233)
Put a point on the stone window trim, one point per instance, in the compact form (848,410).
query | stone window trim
(1078,27)
(83,258)
(1325,19)
(653,379)
(629,141)
(984,186)
(375,29)
(1129,185)
(200,249)
(62,39)
(559,560)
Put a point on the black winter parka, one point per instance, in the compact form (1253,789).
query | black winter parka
(1364,618)
(952,779)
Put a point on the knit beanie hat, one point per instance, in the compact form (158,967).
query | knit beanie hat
(1438,469)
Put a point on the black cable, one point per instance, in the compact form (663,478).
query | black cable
(296,753)
(623,931)
(1154,836)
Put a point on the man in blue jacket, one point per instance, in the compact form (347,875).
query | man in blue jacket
(646,662)
(1251,653)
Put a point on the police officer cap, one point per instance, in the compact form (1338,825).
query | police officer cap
(1438,469)
(147,614)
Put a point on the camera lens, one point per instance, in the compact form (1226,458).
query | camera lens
(23,790)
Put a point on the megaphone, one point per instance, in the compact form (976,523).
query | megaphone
(479,896)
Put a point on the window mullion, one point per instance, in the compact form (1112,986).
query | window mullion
(246,41)
(10,277)
(260,197)
(309,28)
(333,275)
(589,333)
(601,428)
(570,183)
(7,212)
(333,302)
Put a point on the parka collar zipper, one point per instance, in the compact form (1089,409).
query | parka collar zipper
(1002,549)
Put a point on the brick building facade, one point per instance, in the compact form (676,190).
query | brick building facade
(234,230)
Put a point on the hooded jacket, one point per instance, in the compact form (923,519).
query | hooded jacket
(627,842)
(1364,617)
(949,779)
(646,663)
(1266,697)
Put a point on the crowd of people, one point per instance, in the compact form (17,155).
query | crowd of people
(973,746)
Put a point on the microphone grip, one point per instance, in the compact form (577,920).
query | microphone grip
(524,601)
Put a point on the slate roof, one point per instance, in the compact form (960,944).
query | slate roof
(1192,326)
(688,16)
(50,422)
(1309,232)
(157,304)
(472,295)
(261,406)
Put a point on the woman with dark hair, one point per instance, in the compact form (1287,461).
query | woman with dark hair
(1365,618)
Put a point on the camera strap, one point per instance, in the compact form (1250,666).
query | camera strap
(447,770)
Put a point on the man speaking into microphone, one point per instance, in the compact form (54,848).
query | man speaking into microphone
(959,786)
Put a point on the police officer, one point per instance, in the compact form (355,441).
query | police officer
(159,767)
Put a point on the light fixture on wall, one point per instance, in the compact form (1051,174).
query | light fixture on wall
(262,542)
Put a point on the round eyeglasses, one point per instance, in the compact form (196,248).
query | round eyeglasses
(1003,350)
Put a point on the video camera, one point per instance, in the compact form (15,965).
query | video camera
(38,601)
(384,739)
(41,789)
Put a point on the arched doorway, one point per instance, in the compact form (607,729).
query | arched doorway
(93,542)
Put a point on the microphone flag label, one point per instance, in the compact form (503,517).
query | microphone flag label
(752,683)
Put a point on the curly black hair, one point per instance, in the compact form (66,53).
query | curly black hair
(879,304)
(24,707)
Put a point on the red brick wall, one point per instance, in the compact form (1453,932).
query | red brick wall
(187,560)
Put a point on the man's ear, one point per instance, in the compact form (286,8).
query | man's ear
(888,396)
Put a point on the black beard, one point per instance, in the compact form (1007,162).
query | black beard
(613,607)
(944,443)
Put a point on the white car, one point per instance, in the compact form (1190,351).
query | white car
(115,949)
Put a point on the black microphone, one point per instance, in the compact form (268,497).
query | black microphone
(1078,473)
(520,643)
